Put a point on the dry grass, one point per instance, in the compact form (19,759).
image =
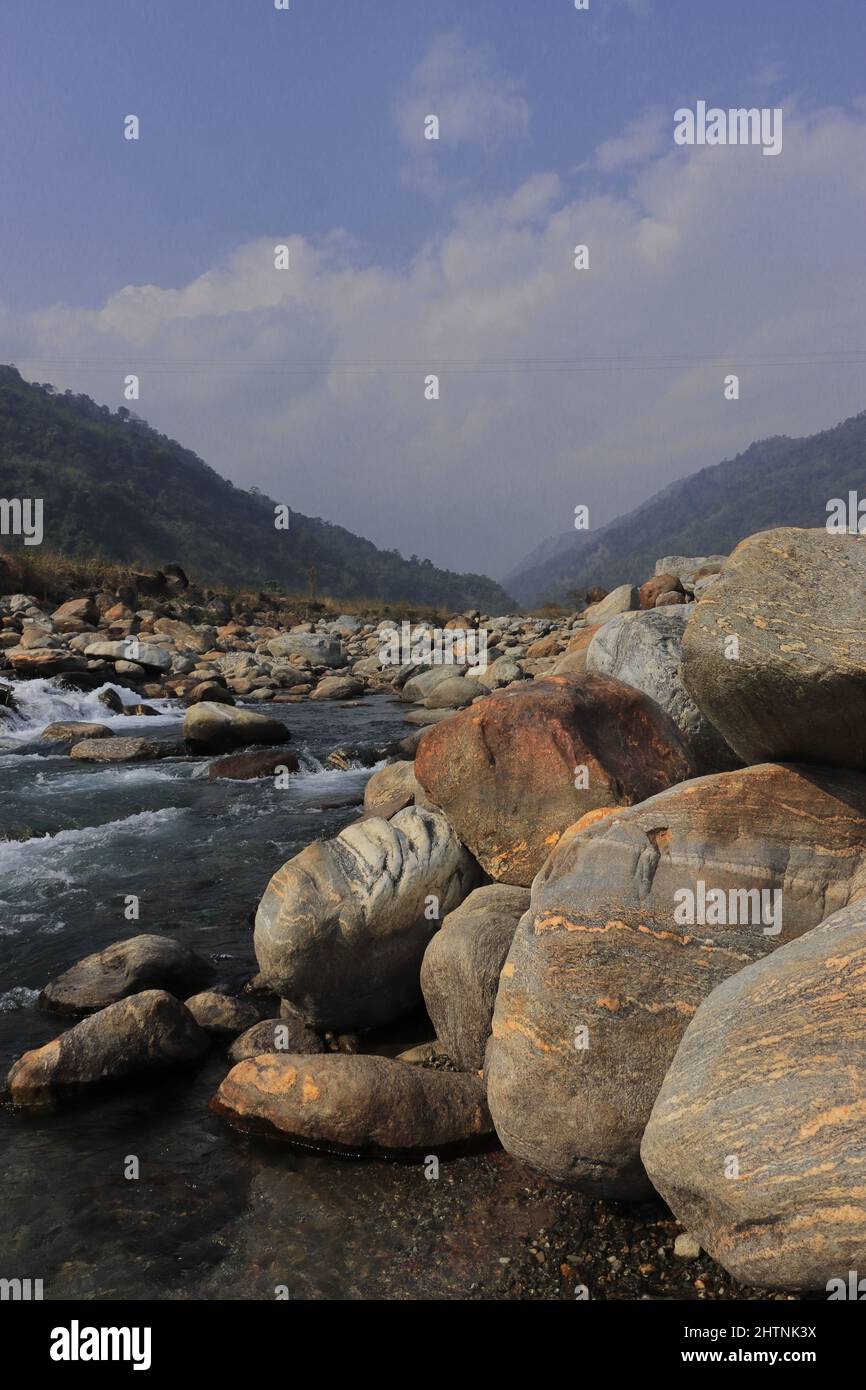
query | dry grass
(50,576)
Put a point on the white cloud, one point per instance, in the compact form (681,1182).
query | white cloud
(476,102)
(641,138)
(559,387)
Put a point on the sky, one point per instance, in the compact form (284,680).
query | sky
(454,257)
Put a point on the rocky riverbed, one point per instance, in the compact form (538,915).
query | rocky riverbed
(349,956)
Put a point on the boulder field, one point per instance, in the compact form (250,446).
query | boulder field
(620,858)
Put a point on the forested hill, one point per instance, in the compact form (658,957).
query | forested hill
(114,487)
(776,482)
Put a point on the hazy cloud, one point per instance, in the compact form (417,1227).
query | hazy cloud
(476,102)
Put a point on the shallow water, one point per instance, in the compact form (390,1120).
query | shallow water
(212,1215)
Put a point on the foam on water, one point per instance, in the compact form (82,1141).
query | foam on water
(42,702)
(44,857)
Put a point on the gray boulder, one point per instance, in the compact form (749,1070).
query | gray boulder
(126,967)
(342,927)
(644,650)
(146,1031)
(756,1140)
(461,968)
(775,652)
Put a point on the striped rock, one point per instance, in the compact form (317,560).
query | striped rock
(343,926)
(757,1140)
(602,978)
(775,652)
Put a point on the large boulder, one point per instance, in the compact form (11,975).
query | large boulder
(131,649)
(126,967)
(214,728)
(644,650)
(775,652)
(461,968)
(146,1031)
(120,750)
(308,649)
(44,661)
(357,1105)
(342,927)
(633,921)
(757,1139)
(514,770)
(246,767)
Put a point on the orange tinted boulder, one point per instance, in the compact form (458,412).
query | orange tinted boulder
(512,771)
(655,587)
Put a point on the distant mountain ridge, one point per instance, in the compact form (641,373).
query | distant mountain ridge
(775,482)
(114,486)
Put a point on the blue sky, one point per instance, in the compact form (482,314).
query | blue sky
(258,125)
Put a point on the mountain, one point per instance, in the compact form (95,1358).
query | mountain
(776,482)
(114,487)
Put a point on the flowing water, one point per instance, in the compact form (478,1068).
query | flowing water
(212,1214)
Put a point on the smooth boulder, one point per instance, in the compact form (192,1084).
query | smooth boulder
(623,941)
(126,967)
(216,728)
(282,1035)
(144,1032)
(514,770)
(390,790)
(461,968)
(775,651)
(342,927)
(221,1015)
(356,1105)
(247,767)
(120,750)
(757,1138)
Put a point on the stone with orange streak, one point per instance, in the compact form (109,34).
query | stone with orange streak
(600,959)
(359,1104)
(775,652)
(506,770)
(136,1034)
(756,1139)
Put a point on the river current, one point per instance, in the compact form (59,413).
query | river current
(212,1215)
